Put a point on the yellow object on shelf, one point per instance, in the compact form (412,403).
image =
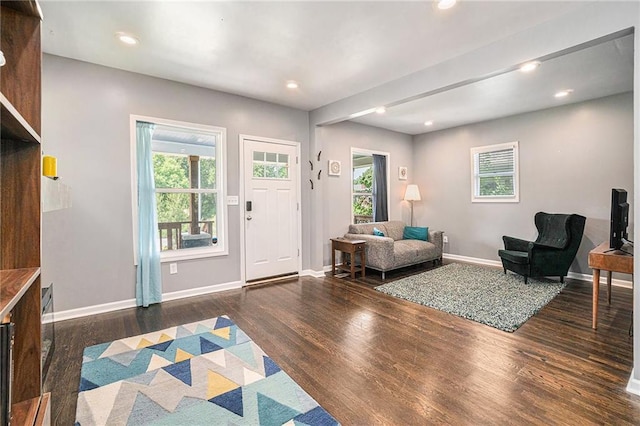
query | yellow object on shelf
(49,166)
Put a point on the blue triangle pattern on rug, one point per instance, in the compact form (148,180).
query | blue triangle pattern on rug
(95,351)
(272,413)
(181,371)
(231,400)
(244,352)
(207,346)
(270,367)
(316,416)
(125,358)
(145,410)
(162,347)
(223,322)
(86,385)
(140,385)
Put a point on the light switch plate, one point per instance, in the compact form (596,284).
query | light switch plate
(232,200)
(173,268)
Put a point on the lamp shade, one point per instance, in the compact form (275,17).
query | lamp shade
(412,193)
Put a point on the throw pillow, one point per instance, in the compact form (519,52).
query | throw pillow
(378,232)
(415,233)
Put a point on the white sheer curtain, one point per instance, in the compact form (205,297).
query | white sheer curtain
(148,275)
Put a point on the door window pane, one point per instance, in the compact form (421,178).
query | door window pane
(270,165)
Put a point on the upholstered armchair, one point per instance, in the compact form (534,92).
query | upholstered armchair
(551,254)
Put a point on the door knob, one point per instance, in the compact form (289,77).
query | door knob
(249,218)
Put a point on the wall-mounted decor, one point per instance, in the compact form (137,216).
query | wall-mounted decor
(402,172)
(335,168)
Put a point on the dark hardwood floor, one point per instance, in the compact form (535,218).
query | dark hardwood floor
(369,358)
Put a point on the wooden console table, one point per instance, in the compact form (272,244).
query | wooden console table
(600,258)
(348,246)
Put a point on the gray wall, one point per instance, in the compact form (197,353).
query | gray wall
(338,140)
(570,158)
(88,249)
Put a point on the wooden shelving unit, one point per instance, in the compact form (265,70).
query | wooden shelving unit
(20,215)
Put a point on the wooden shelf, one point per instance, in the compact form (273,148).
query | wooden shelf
(29,8)
(25,412)
(14,126)
(44,412)
(14,283)
(20,196)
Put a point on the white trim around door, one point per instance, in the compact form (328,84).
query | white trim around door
(242,209)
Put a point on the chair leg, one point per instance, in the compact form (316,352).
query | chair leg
(382,275)
(525,279)
(561,280)
(505,270)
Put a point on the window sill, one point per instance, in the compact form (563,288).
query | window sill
(190,254)
(496,200)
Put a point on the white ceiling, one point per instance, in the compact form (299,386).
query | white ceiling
(593,72)
(333,49)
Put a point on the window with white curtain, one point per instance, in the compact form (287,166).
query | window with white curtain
(494,173)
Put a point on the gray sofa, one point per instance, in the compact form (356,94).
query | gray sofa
(392,251)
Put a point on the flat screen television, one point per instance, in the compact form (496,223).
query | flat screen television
(619,218)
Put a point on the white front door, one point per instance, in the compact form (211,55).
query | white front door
(271,209)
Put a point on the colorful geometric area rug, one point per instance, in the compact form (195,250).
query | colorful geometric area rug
(204,373)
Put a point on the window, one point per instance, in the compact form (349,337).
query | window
(369,183)
(188,169)
(270,165)
(362,188)
(494,173)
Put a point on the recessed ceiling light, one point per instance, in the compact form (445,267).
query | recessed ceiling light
(563,93)
(127,38)
(381,110)
(445,4)
(529,66)
(428,123)
(292,84)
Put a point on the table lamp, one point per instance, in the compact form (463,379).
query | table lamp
(411,194)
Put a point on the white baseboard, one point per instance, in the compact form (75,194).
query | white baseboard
(312,273)
(174,295)
(89,310)
(634,384)
(131,303)
(573,275)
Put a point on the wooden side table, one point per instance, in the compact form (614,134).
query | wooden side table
(352,247)
(601,258)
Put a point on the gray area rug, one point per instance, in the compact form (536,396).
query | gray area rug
(482,294)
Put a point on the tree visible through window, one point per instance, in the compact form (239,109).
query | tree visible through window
(495,173)
(187,193)
(362,188)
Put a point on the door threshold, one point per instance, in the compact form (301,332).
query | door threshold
(272,279)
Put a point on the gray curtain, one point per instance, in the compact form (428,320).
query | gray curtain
(380,209)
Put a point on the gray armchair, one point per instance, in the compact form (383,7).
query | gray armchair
(551,254)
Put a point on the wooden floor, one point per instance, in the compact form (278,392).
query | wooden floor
(369,358)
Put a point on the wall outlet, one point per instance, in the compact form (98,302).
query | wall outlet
(445,239)
(173,268)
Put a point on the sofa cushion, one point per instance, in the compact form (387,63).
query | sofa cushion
(415,233)
(377,232)
(367,228)
(395,229)
(407,252)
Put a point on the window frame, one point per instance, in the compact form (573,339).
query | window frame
(363,151)
(222,224)
(475,175)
